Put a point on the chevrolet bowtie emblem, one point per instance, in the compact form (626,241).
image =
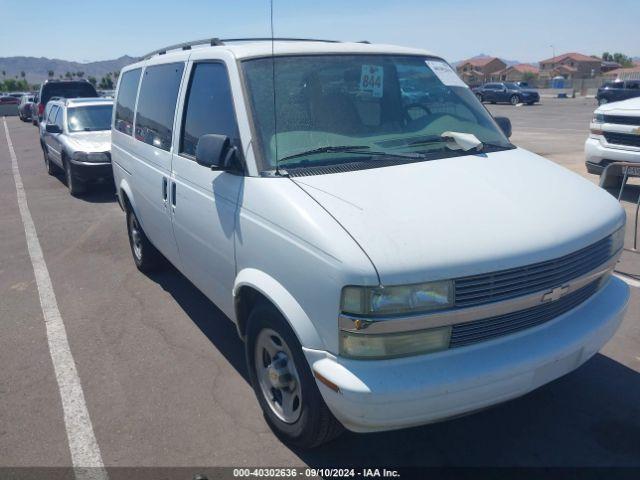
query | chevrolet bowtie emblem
(555,294)
(636,131)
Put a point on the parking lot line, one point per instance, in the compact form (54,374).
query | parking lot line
(83,446)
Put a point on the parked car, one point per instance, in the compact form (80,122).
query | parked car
(25,108)
(385,269)
(506,92)
(617,91)
(614,137)
(9,100)
(64,89)
(76,139)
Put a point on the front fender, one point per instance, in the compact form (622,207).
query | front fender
(277,294)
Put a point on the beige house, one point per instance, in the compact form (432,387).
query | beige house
(630,73)
(516,73)
(477,71)
(570,66)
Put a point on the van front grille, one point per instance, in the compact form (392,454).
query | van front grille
(627,139)
(622,120)
(516,282)
(480,330)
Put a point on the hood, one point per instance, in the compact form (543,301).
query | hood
(626,106)
(466,215)
(90,141)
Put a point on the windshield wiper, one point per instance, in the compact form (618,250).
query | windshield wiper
(358,149)
(328,149)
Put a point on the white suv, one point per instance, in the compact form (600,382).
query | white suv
(389,258)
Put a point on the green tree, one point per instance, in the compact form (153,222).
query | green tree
(106,82)
(4,73)
(22,74)
(92,80)
(621,58)
(529,77)
(79,74)
(68,75)
(51,73)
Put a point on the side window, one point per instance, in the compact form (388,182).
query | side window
(157,104)
(59,118)
(52,114)
(209,107)
(126,101)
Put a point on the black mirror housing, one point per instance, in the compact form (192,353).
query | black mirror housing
(53,128)
(214,151)
(505,125)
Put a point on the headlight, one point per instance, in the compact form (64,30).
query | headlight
(598,118)
(361,345)
(394,300)
(596,124)
(617,240)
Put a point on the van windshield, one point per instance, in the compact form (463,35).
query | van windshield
(336,105)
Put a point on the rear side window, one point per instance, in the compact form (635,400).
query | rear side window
(209,107)
(126,102)
(157,104)
(52,114)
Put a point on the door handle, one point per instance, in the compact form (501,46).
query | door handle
(164,189)
(173,194)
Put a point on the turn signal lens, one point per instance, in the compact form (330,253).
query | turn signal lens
(390,345)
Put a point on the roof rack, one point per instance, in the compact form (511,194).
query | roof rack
(213,42)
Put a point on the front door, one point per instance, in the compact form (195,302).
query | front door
(205,201)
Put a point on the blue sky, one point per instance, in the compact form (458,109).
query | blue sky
(521,30)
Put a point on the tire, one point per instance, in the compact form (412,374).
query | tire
(530,103)
(75,186)
(311,423)
(146,257)
(51,168)
(514,100)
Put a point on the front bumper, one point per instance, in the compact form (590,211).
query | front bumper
(89,171)
(599,155)
(378,395)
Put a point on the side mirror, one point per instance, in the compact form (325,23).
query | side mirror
(53,128)
(505,125)
(214,151)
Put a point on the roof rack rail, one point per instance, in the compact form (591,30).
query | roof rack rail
(217,41)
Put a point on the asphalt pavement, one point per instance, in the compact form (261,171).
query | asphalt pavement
(162,369)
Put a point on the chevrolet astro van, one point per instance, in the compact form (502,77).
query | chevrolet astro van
(389,258)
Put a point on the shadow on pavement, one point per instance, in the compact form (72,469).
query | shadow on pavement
(590,417)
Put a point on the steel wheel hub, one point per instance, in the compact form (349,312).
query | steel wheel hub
(277,376)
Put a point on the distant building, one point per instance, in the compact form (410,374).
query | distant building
(477,71)
(570,66)
(630,73)
(515,73)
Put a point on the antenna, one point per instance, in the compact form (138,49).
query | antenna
(273,80)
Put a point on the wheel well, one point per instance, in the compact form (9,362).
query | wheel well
(245,300)
(125,204)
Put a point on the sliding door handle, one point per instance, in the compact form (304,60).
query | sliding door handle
(165,189)
(173,194)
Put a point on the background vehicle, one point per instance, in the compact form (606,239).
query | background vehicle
(617,91)
(614,137)
(64,89)
(25,107)
(506,92)
(76,139)
(9,100)
(334,243)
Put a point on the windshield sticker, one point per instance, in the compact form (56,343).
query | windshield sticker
(445,73)
(371,80)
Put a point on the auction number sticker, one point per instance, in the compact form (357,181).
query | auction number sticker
(371,80)
(445,73)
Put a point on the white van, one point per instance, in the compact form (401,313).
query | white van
(389,258)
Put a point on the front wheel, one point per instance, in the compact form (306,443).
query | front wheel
(146,257)
(283,382)
(51,168)
(75,186)
(514,100)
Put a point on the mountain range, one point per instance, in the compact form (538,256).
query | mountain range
(37,69)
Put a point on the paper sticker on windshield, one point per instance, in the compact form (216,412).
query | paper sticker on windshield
(445,73)
(371,80)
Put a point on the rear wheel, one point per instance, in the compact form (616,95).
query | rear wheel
(146,257)
(514,100)
(283,382)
